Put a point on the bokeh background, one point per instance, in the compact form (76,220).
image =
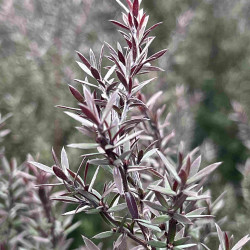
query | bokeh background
(206,83)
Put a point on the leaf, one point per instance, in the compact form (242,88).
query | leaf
(128,138)
(137,168)
(141,85)
(109,105)
(64,161)
(76,211)
(155,243)
(85,68)
(104,235)
(195,166)
(149,153)
(122,79)
(42,167)
(89,244)
(79,119)
(161,219)
(221,237)
(169,166)
(119,24)
(76,94)
(83,59)
(65,199)
(132,207)
(162,190)
(155,206)
(182,218)
(156,55)
(136,8)
(203,173)
(83,145)
(118,180)
(241,243)
(95,73)
(59,173)
(117,208)
(93,179)
(110,72)
(150,226)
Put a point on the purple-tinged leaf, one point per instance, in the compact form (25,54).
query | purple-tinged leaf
(122,79)
(89,244)
(76,177)
(119,24)
(55,158)
(42,167)
(127,138)
(136,89)
(92,59)
(109,106)
(148,225)
(156,55)
(76,94)
(117,208)
(134,49)
(121,57)
(155,206)
(118,180)
(182,219)
(100,58)
(161,199)
(132,207)
(89,114)
(162,190)
(95,73)
(241,243)
(152,28)
(195,166)
(130,20)
(85,68)
(83,59)
(221,237)
(78,118)
(136,8)
(169,166)
(203,173)
(59,173)
(142,20)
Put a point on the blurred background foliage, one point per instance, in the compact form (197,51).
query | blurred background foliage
(207,80)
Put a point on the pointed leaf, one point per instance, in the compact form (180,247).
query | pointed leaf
(169,166)
(42,167)
(89,244)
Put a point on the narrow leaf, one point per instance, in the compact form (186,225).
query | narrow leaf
(169,166)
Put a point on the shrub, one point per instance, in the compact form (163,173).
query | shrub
(152,196)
